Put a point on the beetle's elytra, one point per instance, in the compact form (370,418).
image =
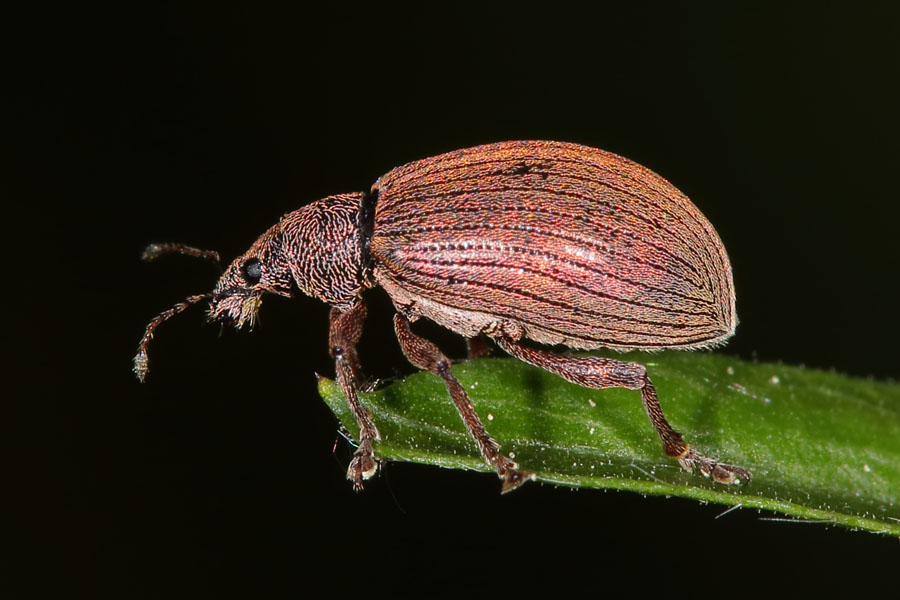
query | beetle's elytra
(545,241)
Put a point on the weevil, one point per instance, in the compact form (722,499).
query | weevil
(548,242)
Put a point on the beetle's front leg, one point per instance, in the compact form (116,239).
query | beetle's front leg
(345,331)
(425,355)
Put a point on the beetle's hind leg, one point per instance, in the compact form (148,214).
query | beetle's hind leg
(598,373)
(425,355)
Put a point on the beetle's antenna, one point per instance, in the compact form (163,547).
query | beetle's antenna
(141,359)
(154,251)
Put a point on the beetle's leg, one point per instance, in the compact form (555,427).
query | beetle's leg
(477,347)
(597,372)
(425,355)
(345,331)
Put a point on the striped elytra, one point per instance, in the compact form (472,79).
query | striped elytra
(575,245)
(551,242)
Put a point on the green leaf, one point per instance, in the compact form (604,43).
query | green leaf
(820,446)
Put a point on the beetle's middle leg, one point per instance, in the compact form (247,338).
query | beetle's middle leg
(345,331)
(425,355)
(476,347)
(598,373)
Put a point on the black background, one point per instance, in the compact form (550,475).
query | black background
(203,124)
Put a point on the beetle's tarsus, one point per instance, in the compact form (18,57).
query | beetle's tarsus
(363,465)
(510,477)
(513,480)
(712,469)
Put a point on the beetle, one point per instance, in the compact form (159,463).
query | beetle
(552,242)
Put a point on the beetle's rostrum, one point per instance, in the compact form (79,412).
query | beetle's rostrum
(550,242)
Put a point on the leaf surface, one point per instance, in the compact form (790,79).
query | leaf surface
(820,446)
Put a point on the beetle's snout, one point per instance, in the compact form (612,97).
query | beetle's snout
(239,308)
(238,294)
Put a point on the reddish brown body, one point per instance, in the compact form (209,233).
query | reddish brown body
(563,243)
(553,242)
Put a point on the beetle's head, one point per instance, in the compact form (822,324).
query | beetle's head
(261,269)
(317,249)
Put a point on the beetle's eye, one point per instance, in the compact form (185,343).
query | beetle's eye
(252,271)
